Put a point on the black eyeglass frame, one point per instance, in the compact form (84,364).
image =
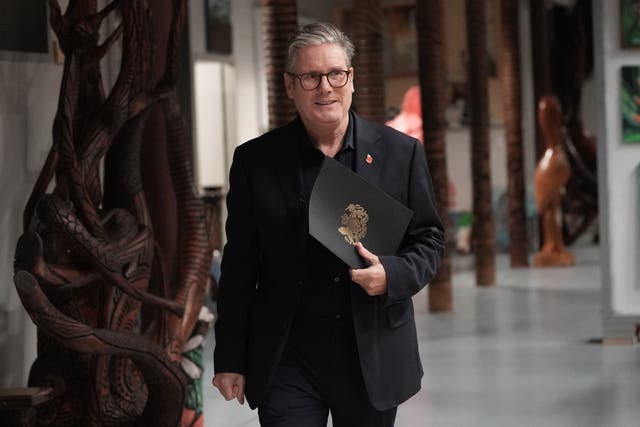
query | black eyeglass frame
(321,75)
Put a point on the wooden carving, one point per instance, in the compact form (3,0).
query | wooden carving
(551,176)
(112,324)
(572,63)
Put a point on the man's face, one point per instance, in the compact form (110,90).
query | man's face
(324,105)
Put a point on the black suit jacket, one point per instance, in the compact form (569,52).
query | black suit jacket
(262,264)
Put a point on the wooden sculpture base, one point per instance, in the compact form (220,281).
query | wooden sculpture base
(18,405)
(553,259)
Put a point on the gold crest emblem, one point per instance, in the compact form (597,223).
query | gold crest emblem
(354,223)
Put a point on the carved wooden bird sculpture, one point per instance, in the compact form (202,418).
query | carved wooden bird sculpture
(551,175)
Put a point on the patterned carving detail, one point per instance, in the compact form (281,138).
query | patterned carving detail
(113,311)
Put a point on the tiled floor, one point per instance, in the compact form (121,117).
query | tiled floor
(519,354)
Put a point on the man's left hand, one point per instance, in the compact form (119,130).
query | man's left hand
(372,279)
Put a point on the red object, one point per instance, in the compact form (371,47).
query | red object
(369,159)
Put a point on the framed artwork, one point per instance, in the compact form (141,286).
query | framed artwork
(630,23)
(24,26)
(400,40)
(218,26)
(630,103)
(400,49)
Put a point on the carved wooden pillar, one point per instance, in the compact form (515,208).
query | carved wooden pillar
(483,234)
(280,20)
(541,67)
(88,266)
(431,69)
(154,149)
(512,100)
(541,72)
(368,63)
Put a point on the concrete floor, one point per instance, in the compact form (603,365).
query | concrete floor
(523,353)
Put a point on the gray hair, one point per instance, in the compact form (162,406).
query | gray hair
(316,34)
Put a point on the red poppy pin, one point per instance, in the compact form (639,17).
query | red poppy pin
(369,159)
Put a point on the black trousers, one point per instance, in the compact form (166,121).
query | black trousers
(320,373)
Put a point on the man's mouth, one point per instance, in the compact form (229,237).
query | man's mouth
(329,102)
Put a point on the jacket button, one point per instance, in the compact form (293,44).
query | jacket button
(300,283)
(336,279)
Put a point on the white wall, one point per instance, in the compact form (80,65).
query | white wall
(250,85)
(28,97)
(459,164)
(618,179)
(229,91)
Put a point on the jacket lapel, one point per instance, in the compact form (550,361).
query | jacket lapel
(289,171)
(290,178)
(369,151)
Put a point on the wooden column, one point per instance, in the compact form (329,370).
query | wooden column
(431,71)
(512,101)
(368,62)
(541,67)
(483,234)
(279,20)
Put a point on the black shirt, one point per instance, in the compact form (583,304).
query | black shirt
(326,290)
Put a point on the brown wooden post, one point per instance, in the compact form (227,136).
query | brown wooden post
(541,72)
(368,98)
(431,70)
(279,20)
(154,149)
(483,230)
(512,101)
(541,67)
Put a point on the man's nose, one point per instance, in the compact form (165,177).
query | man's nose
(324,82)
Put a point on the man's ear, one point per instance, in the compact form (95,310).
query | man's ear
(352,75)
(288,84)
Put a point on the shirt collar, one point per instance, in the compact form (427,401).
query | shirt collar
(349,138)
(348,142)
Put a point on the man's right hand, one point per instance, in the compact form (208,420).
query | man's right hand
(230,385)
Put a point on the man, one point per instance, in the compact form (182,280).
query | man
(298,332)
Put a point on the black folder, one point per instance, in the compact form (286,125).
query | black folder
(344,209)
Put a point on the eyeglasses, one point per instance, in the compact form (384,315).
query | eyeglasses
(311,81)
